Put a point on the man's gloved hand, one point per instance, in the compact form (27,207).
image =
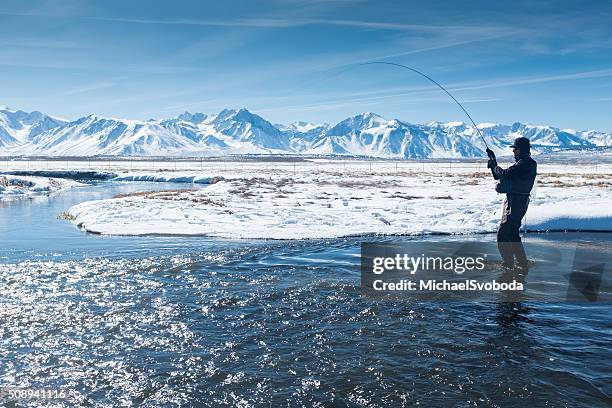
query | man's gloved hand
(492,163)
(491,154)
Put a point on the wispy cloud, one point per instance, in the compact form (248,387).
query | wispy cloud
(88,88)
(292,55)
(360,105)
(373,100)
(529,80)
(416,94)
(427,93)
(488,84)
(43,43)
(279,23)
(85,66)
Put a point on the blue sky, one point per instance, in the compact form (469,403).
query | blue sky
(543,62)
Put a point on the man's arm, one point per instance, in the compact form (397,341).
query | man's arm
(511,172)
(492,163)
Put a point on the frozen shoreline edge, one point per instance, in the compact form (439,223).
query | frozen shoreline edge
(373,235)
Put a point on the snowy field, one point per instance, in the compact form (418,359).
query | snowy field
(15,187)
(324,199)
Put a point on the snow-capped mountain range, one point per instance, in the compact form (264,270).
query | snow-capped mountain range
(242,132)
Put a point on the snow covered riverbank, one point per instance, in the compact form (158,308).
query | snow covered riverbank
(25,186)
(332,202)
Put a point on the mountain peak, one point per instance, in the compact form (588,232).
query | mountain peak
(368,119)
(244,113)
(239,131)
(192,117)
(454,124)
(241,115)
(369,115)
(228,112)
(303,127)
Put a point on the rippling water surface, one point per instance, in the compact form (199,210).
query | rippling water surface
(198,322)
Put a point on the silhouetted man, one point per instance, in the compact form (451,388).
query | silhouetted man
(516,181)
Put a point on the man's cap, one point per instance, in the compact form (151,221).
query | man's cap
(521,143)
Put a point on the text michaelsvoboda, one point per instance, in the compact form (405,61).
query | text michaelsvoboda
(444,285)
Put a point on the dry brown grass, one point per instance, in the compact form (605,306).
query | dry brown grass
(243,192)
(55,183)
(468,183)
(66,216)
(477,175)
(567,184)
(249,188)
(174,195)
(206,201)
(576,175)
(137,194)
(5,182)
(168,194)
(259,181)
(359,183)
(404,196)
(361,172)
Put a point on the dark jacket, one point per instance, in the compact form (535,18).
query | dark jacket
(522,174)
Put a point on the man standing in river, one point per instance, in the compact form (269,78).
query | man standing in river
(516,182)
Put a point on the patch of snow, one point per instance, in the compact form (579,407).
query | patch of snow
(25,186)
(453,124)
(264,202)
(593,214)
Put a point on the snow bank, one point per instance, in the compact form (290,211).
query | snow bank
(327,203)
(584,215)
(21,186)
(169,178)
(135,216)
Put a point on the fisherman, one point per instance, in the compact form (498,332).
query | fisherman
(516,182)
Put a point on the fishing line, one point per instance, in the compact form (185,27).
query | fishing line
(437,84)
(350,67)
(489,153)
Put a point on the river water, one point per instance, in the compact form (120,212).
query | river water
(192,321)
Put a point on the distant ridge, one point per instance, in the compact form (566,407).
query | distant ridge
(243,132)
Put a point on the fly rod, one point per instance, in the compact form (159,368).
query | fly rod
(439,86)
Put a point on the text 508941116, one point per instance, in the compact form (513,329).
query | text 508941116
(28,393)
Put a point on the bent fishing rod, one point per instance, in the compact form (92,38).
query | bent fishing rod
(439,86)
